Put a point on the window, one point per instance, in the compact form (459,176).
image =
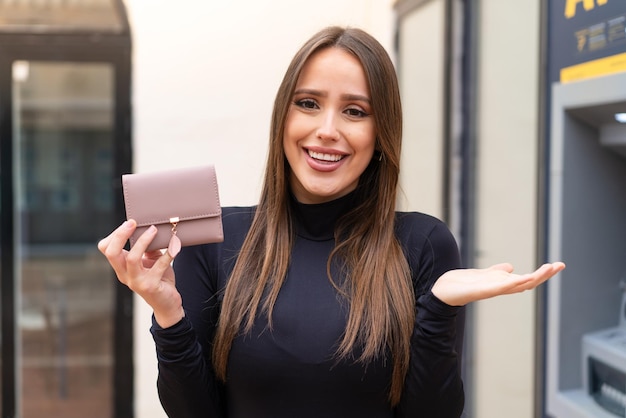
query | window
(64,142)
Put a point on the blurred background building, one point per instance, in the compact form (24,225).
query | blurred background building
(511,137)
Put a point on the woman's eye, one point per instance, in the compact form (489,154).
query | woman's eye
(306,104)
(354,112)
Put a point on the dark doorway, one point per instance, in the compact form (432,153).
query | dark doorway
(65,139)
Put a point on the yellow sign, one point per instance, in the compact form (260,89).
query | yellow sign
(595,68)
(570,6)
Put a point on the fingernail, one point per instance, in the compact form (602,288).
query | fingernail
(152,229)
(174,246)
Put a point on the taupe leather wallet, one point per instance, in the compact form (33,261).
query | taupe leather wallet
(183,201)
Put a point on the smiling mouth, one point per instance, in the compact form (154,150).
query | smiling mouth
(332,158)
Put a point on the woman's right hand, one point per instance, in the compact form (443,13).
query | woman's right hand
(149,274)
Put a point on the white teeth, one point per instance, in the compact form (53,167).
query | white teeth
(325,157)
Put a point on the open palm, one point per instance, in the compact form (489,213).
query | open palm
(460,287)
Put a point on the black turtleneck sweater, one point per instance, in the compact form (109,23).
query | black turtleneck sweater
(290,371)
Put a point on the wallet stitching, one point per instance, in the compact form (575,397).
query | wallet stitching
(213,214)
(182,218)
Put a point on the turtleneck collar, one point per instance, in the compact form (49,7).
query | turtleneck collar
(317,221)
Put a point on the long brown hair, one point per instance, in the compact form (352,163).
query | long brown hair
(378,285)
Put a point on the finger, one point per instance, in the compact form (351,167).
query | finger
(136,254)
(542,271)
(163,262)
(508,267)
(539,276)
(121,233)
(153,255)
(553,269)
(150,257)
(548,270)
(113,246)
(519,284)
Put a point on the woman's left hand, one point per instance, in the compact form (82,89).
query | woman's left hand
(460,287)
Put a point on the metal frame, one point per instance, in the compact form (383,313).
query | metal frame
(541,298)
(79,47)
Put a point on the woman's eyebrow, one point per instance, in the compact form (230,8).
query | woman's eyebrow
(346,97)
(356,97)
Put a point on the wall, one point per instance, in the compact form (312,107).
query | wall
(421,77)
(501,358)
(204,78)
(507,89)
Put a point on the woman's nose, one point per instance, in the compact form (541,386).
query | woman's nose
(328,129)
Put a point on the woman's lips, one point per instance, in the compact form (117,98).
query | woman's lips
(324,161)
(325,157)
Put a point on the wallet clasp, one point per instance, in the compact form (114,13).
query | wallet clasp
(174,221)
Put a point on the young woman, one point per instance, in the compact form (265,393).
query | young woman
(322,301)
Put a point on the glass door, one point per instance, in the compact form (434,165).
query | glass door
(63,146)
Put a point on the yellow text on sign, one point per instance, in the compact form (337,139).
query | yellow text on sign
(570,6)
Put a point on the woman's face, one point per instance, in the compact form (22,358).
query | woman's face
(329,134)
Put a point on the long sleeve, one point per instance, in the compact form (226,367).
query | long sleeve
(433,386)
(185,384)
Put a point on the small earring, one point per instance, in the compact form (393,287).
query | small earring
(380,156)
